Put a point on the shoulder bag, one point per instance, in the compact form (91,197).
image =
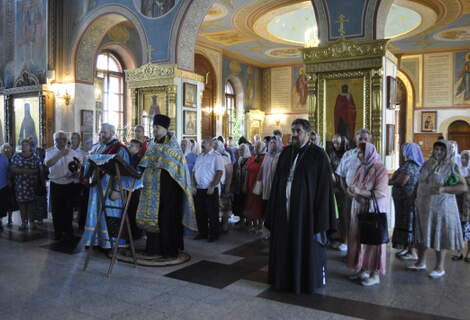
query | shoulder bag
(373,226)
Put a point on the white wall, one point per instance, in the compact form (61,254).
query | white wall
(444,118)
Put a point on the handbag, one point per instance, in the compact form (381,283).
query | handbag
(373,226)
(258,188)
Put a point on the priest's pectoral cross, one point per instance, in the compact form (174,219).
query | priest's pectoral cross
(341,21)
(149,53)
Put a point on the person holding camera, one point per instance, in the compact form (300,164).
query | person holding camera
(63,165)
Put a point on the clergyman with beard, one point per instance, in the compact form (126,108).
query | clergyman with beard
(108,145)
(300,212)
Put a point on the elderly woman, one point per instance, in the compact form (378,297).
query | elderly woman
(25,167)
(187,147)
(404,181)
(315,139)
(254,203)
(437,215)
(368,261)
(464,209)
(239,180)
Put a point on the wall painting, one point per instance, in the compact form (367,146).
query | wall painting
(462,78)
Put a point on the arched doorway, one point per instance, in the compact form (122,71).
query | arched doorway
(203,67)
(460,131)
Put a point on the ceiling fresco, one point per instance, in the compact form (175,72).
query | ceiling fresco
(273,36)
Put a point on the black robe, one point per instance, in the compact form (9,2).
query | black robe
(297,256)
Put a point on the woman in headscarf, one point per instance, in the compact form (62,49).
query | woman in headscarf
(454,147)
(464,210)
(187,148)
(315,139)
(437,215)
(254,204)
(368,261)
(239,180)
(268,168)
(404,181)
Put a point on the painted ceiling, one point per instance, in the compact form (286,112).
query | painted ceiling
(274,36)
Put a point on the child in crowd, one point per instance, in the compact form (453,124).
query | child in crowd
(134,150)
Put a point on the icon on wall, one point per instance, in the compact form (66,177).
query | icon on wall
(189,120)
(428,121)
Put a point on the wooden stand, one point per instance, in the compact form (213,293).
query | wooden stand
(116,168)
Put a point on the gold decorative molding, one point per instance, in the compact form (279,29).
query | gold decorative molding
(151,75)
(321,106)
(344,65)
(344,49)
(376,110)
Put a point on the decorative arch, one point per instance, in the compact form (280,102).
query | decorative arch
(88,38)
(381,10)
(126,56)
(444,126)
(183,38)
(410,103)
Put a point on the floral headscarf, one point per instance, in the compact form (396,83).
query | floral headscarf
(371,157)
(412,152)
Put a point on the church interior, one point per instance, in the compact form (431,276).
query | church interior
(230,68)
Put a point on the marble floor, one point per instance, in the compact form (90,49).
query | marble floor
(43,279)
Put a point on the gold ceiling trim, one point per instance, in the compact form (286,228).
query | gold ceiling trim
(229,37)
(342,49)
(447,11)
(260,25)
(246,17)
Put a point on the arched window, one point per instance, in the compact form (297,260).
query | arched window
(109,69)
(230,108)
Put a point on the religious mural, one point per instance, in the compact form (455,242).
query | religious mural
(299,88)
(344,106)
(248,76)
(31,37)
(462,78)
(26,111)
(125,34)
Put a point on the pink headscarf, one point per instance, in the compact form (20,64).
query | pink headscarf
(371,157)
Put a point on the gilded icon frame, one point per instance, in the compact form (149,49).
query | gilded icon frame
(325,115)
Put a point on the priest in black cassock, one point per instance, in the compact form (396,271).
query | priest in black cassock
(166,202)
(300,212)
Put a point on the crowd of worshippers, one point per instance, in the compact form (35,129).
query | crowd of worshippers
(301,197)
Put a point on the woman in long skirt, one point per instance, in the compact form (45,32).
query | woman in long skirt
(437,215)
(367,261)
(404,181)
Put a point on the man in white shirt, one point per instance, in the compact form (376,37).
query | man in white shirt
(81,193)
(64,165)
(225,204)
(207,174)
(346,171)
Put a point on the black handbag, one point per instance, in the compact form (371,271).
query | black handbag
(373,226)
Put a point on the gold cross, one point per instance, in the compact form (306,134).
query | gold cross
(341,20)
(149,58)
